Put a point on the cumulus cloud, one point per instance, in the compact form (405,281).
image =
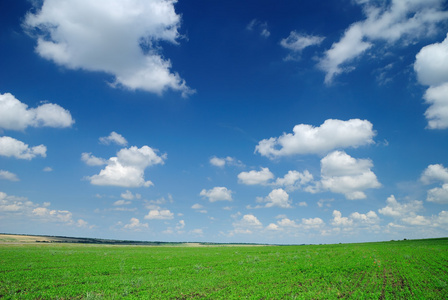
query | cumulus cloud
(437,112)
(156,214)
(22,207)
(15,115)
(294,180)
(307,139)
(6,175)
(217,193)
(438,194)
(115,138)
(222,161)
(431,67)
(180,225)
(128,195)
(63,216)
(120,38)
(436,173)
(312,223)
(197,206)
(273,227)
(136,225)
(339,220)
(128,167)
(369,218)
(344,174)
(397,210)
(92,160)
(246,225)
(256,177)
(15,204)
(11,147)
(279,198)
(386,21)
(306,224)
(296,42)
(431,64)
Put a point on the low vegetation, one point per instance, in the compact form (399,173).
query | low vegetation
(412,269)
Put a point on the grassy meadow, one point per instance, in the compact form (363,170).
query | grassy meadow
(412,269)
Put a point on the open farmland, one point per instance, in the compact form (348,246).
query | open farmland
(413,269)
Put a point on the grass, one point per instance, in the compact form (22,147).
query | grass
(390,270)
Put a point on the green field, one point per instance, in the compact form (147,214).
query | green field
(413,269)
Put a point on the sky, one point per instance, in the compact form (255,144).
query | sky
(281,122)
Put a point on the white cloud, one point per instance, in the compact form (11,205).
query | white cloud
(434,173)
(441,219)
(246,225)
(278,197)
(121,202)
(163,214)
(217,162)
(307,139)
(256,177)
(416,220)
(437,112)
(312,223)
(386,21)
(15,115)
(120,38)
(294,180)
(83,223)
(136,225)
(344,174)
(128,195)
(127,168)
(274,227)
(296,42)
(431,66)
(339,220)
(180,225)
(6,175)
(350,46)
(285,222)
(259,26)
(397,210)
(438,195)
(222,161)
(11,147)
(197,206)
(217,194)
(92,160)
(369,218)
(48,169)
(160,201)
(15,204)
(52,215)
(294,227)
(115,138)
(324,202)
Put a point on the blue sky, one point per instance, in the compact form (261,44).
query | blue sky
(225,121)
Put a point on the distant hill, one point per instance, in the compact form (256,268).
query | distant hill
(19,238)
(6,238)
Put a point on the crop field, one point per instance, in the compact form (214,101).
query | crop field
(412,269)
